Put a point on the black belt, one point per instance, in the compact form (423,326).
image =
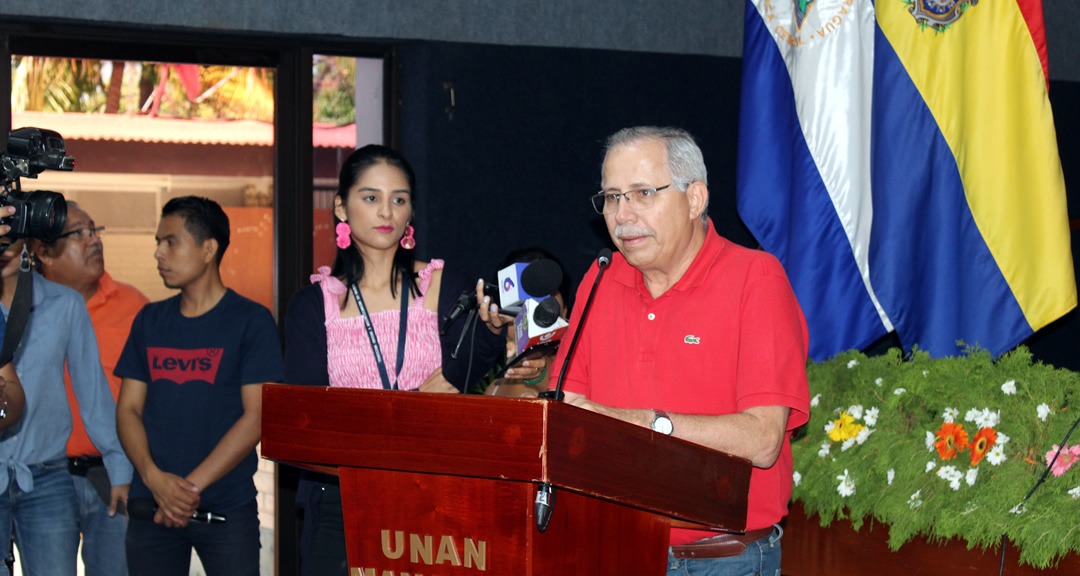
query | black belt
(80,465)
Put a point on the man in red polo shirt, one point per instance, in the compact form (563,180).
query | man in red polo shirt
(693,336)
(76,260)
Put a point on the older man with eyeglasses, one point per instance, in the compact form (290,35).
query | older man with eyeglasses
(711,341)
(76,259)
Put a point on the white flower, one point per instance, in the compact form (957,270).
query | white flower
(1002,438)
(863,435)
(925,373)
(847,444)
(1075,492)
(1019,509)
(950,415)
(930,439)
(915,501)
(814,401)
(899,391)
(984,418)
(952,475)
(871,416)
(1009,387)
(996,455)
(1043,411)
(824,450)
(878,382)
(829,426)
(856,411)
(796,478)
(890,475)
(949,473)
(970,476)
(930,465)
(847,485)
(852,363)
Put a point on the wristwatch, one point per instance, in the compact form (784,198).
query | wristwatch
(661,422)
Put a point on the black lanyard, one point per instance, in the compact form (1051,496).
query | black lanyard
(375,341)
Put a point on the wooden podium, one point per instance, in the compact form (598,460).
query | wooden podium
(438,484)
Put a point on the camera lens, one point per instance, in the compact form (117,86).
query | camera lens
(46,214)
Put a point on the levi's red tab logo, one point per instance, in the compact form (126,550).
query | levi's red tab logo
(183,366)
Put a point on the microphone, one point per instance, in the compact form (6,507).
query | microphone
(602,261)
(541,277)
(545,492)
(538,323)
(466,302)
(145,508)
(534,281)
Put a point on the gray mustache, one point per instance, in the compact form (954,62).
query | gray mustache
(629,230)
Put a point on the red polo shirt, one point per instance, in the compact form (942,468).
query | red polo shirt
(728,336)
(112,310)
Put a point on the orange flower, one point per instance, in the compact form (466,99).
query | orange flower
(951,440)
(984,440)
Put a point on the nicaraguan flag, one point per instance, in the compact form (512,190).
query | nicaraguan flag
(900,159)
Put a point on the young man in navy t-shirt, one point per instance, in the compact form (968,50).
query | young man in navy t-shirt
(190,406)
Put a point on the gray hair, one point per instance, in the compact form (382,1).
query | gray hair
(684,159)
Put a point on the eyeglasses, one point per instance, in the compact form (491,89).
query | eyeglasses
(605,203)
(84,234)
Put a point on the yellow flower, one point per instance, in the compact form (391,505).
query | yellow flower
(844,428)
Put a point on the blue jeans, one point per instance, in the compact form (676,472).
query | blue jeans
(761,558)
(230,548)
(103,537)
(45,520)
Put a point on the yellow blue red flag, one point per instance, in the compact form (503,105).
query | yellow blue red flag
(899,158)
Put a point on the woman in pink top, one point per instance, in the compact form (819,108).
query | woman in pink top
(327,337)
(375,268)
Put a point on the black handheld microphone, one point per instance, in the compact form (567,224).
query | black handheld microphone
(545,493)
(145,508)
(541,278)
(466,302)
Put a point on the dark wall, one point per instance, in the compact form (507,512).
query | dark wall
(514,162)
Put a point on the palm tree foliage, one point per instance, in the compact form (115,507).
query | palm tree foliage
(56,84)
(75,85)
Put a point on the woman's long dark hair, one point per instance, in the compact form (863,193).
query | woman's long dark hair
(349,264)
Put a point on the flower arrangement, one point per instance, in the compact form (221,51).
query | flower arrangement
(944,448)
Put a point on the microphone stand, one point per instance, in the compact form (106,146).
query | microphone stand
(545,492)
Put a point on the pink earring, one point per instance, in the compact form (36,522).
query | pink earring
(344,235)
(407,241)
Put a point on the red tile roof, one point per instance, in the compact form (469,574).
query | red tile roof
(124,128)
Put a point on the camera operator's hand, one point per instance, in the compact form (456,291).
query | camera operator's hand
(6,211)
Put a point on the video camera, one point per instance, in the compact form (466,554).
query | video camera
(39,214)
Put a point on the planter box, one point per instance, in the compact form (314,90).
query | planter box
(810,550)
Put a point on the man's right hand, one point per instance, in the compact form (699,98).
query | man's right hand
(177,499)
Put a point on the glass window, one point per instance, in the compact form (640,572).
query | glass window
(145,132)
(348,113)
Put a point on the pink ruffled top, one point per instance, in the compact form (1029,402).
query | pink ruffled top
(349,357)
